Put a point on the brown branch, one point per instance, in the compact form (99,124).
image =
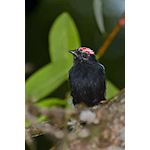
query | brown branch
(99,127)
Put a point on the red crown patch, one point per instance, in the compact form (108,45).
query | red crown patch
(87,50)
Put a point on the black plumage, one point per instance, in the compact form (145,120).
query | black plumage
(87,78)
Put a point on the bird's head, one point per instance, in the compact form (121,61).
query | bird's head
(83,54)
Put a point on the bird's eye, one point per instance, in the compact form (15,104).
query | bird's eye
(84,55)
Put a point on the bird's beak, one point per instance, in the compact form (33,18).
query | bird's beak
(73,52)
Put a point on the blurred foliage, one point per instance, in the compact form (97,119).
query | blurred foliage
(63,36)
(41,15)
(98,10)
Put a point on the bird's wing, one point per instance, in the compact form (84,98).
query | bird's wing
(102,67)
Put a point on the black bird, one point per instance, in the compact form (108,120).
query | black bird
(87,78)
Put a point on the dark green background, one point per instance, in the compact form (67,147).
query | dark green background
(40,15)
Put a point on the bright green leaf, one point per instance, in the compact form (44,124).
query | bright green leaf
(63,36)
(111,89)
(48,102)
(27,123)
(42,118)
(47,79)
(98,10)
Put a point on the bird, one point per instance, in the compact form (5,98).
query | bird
(87,78)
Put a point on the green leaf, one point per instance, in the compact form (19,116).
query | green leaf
(42,118)
(46,79)
(48,102)
(98,11)
(27,123)
(63,36)
(111,89)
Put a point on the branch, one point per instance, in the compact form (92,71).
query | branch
(99,127)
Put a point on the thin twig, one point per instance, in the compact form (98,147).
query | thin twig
(109,38)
